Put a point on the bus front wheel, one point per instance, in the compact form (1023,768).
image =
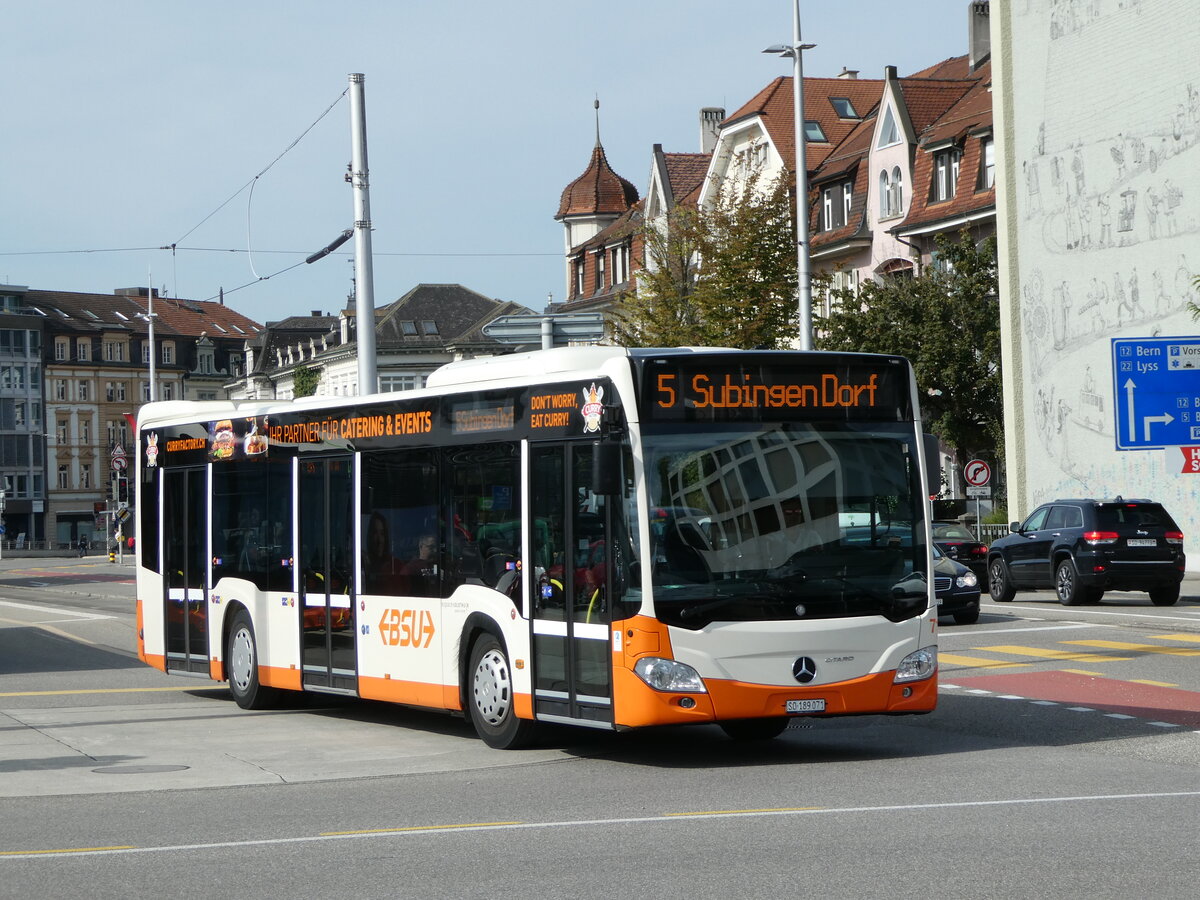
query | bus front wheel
(491,700)
(241,664)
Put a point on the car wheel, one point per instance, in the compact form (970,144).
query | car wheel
(1095,595)
(241,666)
(1066,584)
(492,701)
(967,616)
(755,729)
(999,584)
(1164,596)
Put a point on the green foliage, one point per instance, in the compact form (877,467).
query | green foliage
(998,516)
(724,275)
(1192,306)
(305,381)
(947,322)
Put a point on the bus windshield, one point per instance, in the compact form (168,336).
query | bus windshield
(786,521)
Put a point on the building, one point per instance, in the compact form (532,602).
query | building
(87,374)
(22,420)
(1098,220)
(427,327)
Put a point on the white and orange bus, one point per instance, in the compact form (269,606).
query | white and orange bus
(598,536)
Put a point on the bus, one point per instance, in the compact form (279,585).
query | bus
(599,536)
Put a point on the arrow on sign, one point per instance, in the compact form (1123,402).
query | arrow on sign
(1129,386)
(1165,418)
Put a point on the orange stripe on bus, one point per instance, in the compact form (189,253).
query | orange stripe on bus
(278,677)
(395,690)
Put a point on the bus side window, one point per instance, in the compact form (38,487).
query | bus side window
(484,531)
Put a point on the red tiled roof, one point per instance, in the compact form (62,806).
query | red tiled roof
(774,104)
(193,317)
(954,67)
(598,190)
(686,171)
(927,99)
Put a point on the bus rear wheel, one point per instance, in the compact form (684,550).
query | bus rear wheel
(755,729)
(492,702)
(241,665)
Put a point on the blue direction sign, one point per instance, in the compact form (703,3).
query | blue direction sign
(1156,391)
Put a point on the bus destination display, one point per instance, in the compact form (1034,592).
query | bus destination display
(682,392)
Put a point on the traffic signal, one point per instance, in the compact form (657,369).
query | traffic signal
(122,489)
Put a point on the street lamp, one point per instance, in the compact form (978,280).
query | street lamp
(3,503)
(149,316)
(803,270)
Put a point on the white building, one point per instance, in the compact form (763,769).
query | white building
(1097,111)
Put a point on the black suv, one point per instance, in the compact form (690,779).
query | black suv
(1082,548)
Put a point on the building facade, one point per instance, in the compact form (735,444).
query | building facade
(1098,225)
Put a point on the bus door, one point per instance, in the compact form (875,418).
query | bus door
(570,616)
(325,510)
(185,562)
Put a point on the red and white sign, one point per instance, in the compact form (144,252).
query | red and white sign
(118,458)
(1190,461)
(977,473)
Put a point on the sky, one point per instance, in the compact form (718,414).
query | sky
(223,128)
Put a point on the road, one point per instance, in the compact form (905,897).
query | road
(1062,760)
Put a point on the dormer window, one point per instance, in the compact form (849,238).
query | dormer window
(945,175)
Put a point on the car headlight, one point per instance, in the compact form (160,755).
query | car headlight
(967,579)
(668,675)
(917,666)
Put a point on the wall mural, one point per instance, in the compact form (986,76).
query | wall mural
(1105,142)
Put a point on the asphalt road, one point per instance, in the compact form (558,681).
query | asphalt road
(1062,761)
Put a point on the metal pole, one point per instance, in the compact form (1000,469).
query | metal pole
(150,319)
(364,279)
(803,273)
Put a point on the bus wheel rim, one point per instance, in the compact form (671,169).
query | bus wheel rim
(241,659)
(493,688)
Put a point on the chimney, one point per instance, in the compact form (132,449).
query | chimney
(316,314)
(979,33)
(850,74)
(711,118)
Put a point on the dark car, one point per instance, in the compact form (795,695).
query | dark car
(1082,548)
(958,543)
(956,587)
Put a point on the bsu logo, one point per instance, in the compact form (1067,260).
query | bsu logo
(406,627)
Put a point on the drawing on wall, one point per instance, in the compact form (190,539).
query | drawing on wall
(1107,217)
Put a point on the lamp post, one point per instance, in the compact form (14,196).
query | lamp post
(3,503)
(803,268)
(149,317)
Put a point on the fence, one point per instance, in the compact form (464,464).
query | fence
(989,533)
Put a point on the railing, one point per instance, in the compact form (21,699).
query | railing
(989,533)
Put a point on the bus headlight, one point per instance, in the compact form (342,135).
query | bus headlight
(917,666)
(668,675)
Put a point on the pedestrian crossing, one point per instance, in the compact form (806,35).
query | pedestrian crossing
(1015,656)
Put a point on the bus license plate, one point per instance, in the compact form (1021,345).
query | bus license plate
(1141,542)
(803,706)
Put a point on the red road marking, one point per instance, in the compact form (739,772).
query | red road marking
(1145,701)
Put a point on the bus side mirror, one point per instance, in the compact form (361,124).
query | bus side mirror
(606,469)
(933,471)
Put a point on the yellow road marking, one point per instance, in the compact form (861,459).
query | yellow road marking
(65,850)
(1052,654)
(416,828)
(1137,648)
(1191,638)
(734,812)
(977,661)
(107,691)
(1153,683)
(50,628)
(1083,672)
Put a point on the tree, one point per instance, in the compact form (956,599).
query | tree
(947,322)
(722,275)
(304,381)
